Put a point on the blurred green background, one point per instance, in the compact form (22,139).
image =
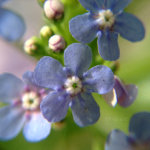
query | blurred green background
(134,68)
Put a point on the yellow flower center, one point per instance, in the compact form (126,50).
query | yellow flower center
(73,85)
(30,100)
(105,19)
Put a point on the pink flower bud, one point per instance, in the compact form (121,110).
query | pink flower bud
(53,9)
(57,43)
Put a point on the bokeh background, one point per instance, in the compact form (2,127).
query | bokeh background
(134,68)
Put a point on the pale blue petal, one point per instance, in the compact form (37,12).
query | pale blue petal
(139,126)
(117,140)
(37,128)
(28,77)
(78,58)
(49,73)
(3,1)
(100,79)
(108,46)
(83,28)
(55,106)
(92,5)
(10,87)
(117,5)
(11,122)
(126,94)
(129,27)
(85,110)
(12,26)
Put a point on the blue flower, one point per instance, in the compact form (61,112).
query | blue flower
(72,85)
(106,20)
(138,139)
(122,94)
(12,26)
(22,108)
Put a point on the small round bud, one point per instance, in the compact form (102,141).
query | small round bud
(45,31)
(30,46)
(53,9)
(57,43)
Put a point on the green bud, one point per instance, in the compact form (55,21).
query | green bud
(30,46)
(46,32)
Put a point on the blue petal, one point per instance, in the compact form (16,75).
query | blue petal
(140,126)
(83,28)
(126,94)
(37,128)
(100,79)
(117,5)
(12,26)
(85,110)
(11,122)
(49,73)
(92,5)
(129,27)
(3,1)
(55,106)
(78,58)
(28,77)
(117,140)
(10,87)
(108,46)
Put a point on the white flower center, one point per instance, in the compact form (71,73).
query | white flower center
(73,85)
(105,19)
(30,100)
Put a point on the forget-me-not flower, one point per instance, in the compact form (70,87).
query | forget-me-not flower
(106,20)
(73,85)
(22,108)
(12,26)
(139,135)
(122,94)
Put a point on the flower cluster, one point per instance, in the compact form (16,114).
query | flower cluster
(67,78)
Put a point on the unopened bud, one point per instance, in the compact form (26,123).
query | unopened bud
(53,9)
(57,43)
(30,46)
(45,31)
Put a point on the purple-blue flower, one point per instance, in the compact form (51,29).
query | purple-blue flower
(12,26)
(106,20)
(122,94)
(139,135)
(73,85)
(22,109)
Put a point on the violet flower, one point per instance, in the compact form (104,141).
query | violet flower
(106,20)
(138,138)
(22,108)
(73,85)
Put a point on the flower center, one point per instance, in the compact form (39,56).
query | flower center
(73,85)
(30,100)
(105,19)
